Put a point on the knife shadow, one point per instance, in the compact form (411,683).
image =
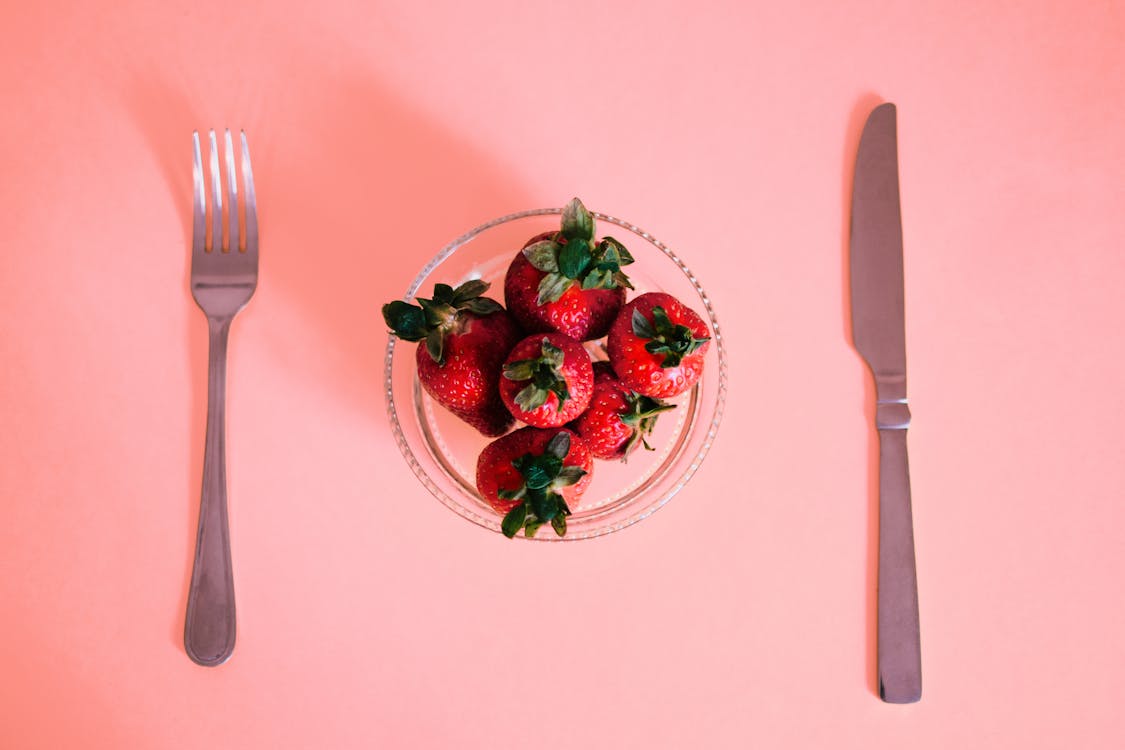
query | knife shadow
(864,104)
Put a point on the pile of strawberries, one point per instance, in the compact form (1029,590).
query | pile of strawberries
(492,366)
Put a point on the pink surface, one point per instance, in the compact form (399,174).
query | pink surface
(742,614)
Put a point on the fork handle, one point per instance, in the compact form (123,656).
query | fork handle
(899,652)
(209,625)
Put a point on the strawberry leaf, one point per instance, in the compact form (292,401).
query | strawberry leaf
(406,321)
(551,508)
(545,374)
(544,255)
(673,341)
(531,398)
(577,222)
(481,306)
(569,475)
(573,255)
(443,294)
(523,369)
(541,503)
(641,416)
(436,312)
(471,289)
(552,465)
(537,502)
(641,326)
(623,254)
(559,445)
(537,477)
(642,408)
(468,297)
(560,390)
(604,270)
(538,471)
(514,520)
(545,505)
(552,354)
(433,319)
(435,343)
(552,287)
(608,254)
(574,258)
(598,278)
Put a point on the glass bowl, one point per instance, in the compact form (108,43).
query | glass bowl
(442,450)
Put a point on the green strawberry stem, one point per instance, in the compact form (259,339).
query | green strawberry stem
(641,416)
(673,341)
(572,256)
(545,374)
(433,320)
(541,501)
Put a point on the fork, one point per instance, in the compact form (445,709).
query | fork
(223,278)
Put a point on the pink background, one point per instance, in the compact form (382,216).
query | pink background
(742,614)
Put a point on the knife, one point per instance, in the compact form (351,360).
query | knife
(879,332)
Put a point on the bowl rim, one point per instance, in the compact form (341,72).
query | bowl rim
(649,508)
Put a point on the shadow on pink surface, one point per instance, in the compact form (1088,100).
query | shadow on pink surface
(356,192)
(856,121)
(165,119)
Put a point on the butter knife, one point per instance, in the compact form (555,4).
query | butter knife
(878,329)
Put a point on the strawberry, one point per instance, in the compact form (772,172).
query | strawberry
(534,477)
(656,345)
(618,420)
(466,337)
(566,282)
(547,380)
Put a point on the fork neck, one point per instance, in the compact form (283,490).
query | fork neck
(218,331)
(219,325)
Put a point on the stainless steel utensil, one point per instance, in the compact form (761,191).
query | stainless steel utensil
(878,328)
(223,278)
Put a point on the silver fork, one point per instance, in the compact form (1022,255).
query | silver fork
(223,278)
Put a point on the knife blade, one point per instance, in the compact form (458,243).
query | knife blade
(879,333)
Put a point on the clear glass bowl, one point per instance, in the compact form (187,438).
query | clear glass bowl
(442,450)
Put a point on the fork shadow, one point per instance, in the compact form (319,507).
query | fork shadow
(356,191)
(865,103)
(165,118)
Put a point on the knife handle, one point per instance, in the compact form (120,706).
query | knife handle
(899,649)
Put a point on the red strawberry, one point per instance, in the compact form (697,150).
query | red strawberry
(566,282)
(534,477)
(603,371)
(466,338)
(547,380)
(618,420)
(656,345)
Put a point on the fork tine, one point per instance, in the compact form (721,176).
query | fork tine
(216,198)
(251,202)
(198,211)
(232,194)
